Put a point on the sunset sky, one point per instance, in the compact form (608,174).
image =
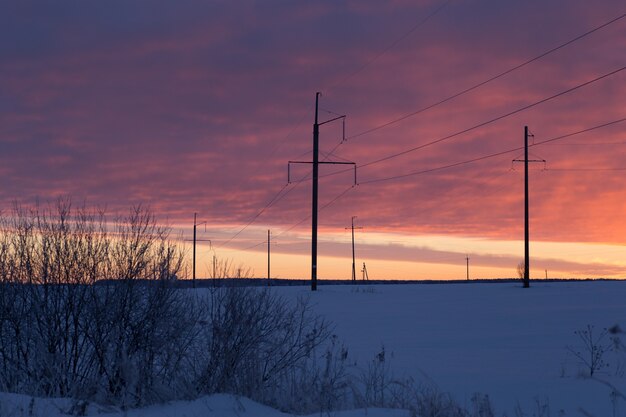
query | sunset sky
(196,106)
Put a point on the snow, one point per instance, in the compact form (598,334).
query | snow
(219,405)
(494,338)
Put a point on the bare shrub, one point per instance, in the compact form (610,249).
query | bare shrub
(377,386)
(376,380)
(226,268)
(65,333)
(591,350)
(254,340)
(319,382)
(481,406)
(521,270)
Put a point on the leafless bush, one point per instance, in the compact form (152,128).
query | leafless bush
(226,268)
(521,270)
(377,386)
(87,310)
(591,350)
(64,333)
(481,406)
(320,383)
(254,340)
(376,380)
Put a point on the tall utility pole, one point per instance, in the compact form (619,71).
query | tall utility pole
(268,258)
(526,222)
(214,269)
(316,145)
(195,225)
(353,258)
(316,162)
(526,215)
(467,264)
(194,250)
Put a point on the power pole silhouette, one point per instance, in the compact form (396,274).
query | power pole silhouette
(316,162)
(467,263)
(364,271)
(195,225)
(268,257)
(214,269)
(353,259)
(526,215)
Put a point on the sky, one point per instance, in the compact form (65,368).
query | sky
(197,106)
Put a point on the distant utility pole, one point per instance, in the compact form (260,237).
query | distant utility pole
(268,257)
(195,225)
(467,264)
(214,269)
(353,259)
(526,215)
(364,271)
(316,162)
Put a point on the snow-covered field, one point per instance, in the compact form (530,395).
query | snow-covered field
(497,339)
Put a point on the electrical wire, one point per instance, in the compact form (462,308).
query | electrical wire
(482,124)
(256,216)
(495,77)
(329,203)
(495,119)
(583,169)
(254,246)
(278,196)
(493,155)
(456,164)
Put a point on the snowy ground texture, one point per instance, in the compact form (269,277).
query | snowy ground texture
(497,339)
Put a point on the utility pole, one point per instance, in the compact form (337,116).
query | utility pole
(526,222)
(268,258)
(526,215)
(316,145)
(195,225)
(467,264)
(316,162)
(214,269)
(194,250)
(364,271)
(353,258)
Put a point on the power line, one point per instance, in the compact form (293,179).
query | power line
(329,203)
(584,169)
(495,119)
(485,123)
(254,246)
(276,198)
(469,129)
(493,155)
(500,75)
(456,164)
(614,122)
(256,216)
(591,144)
(278,195)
